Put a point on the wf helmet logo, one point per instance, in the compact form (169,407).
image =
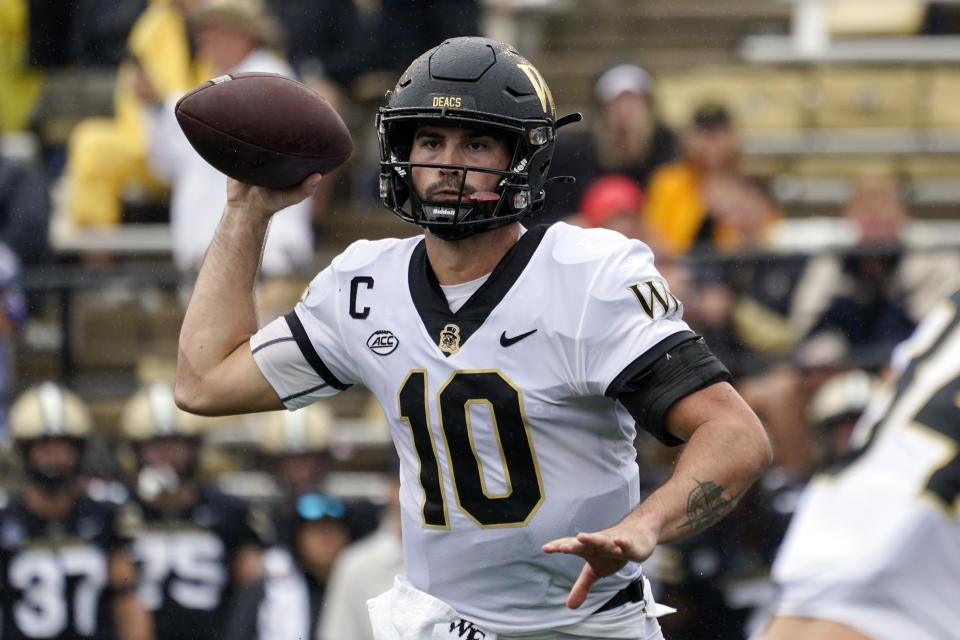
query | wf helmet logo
(382,342)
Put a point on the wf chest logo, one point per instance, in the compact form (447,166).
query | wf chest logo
(382,342)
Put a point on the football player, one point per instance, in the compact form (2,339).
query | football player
(194,545)
(873,551)
(290,601)
(65,573)
(296,448)
(512,364)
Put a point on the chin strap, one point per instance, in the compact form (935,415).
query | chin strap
(563,179)
(570,118)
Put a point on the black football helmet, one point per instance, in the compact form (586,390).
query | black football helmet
(473,83)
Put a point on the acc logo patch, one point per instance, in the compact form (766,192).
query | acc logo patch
(382,342)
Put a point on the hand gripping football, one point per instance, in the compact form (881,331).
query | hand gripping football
(264,129)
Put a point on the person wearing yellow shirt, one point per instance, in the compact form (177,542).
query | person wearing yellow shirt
(677,215)
(108,155)
(19,86)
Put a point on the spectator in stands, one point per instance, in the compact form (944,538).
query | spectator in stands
(24,211)
(364,570)
(21,83)
(744,207)
(865,293)
(288,603)
(232,36)
(744,306)
(107,156)
(627,138)
(679,215)
(613,202)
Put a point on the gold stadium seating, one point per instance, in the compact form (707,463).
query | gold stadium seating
(758,98)
(868,97)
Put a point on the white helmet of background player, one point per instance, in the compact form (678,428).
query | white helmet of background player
(307,430)
(297,445)
(50,411)
(151,416)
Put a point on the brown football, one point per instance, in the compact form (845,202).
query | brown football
(264,129)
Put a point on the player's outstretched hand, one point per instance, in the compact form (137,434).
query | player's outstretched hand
(605,552)
(261,201)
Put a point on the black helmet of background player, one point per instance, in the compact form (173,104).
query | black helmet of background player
(162,441)
(50,413)
(297,444)
(479,84)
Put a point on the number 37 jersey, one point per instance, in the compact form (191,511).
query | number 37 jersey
(498,411)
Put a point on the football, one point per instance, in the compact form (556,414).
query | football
(264,129)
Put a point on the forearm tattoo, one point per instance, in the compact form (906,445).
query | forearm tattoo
(706,505)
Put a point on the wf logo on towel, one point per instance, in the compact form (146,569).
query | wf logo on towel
(466,630)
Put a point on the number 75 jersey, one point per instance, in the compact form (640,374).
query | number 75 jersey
(498,411)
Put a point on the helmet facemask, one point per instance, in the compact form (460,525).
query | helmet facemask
(52,476)
(516,195)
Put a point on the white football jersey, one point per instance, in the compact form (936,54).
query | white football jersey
(876,546)
(498,413)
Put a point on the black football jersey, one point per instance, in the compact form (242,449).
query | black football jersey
(55,573)
(185,562)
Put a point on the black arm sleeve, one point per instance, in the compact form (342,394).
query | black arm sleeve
(651,384)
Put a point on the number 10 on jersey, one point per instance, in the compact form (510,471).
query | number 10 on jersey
(524,492)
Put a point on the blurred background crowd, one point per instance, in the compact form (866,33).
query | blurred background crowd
(794,164)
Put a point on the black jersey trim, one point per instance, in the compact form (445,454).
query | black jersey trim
(298,394)
(272,342)
(432,305)
(311,355)
(643,363)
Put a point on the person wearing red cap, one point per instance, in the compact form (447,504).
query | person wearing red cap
(612,202)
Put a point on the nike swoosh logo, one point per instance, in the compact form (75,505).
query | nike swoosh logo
(506,342)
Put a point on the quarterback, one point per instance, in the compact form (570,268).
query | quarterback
(513,364)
